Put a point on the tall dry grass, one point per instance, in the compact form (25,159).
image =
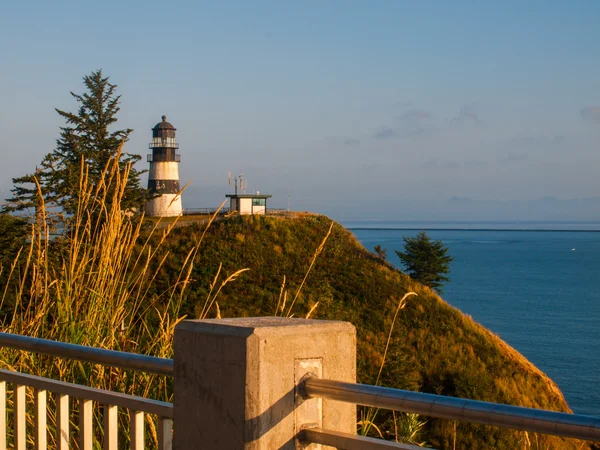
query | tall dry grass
(91,287)
(406,426)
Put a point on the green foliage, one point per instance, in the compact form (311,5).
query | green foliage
(13,235)
(86,138)
(426,261)
(381,252)
(408,428)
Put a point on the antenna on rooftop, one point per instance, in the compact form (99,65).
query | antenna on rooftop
(243,186)
(229,179)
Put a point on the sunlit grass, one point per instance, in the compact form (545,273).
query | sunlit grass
(91,287)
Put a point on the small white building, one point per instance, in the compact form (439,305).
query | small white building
(253,204)
(246,204)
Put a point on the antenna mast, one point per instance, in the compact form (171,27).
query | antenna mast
(243,186)
(238,182)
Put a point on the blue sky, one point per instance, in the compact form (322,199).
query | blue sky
(388,109)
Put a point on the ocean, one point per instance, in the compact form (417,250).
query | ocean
(534,286)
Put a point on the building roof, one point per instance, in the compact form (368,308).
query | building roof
(163,129)
(248,195)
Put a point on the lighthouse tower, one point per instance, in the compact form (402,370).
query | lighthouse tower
(163,177)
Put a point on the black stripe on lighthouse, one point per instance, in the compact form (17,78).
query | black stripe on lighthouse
(163,186)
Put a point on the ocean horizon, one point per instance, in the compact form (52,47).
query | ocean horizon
(491,225)
(534,287)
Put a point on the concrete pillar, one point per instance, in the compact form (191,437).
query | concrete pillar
(235,381)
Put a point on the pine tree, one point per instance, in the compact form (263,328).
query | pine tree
(14,232)
(426,261)
(381,252)
(85,138)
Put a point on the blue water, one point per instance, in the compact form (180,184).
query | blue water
(538,290)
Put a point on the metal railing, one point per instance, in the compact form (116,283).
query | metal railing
(514,417)
(279,212)
(225,210)
(205,211)
(163,144)
(348,441)
(113,358)
(87,396)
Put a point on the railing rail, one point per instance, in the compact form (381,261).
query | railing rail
(280,212)
(205,211)
(349,441)
(147,405)
(225,210)
(113,358)
(515,417)
(110,401)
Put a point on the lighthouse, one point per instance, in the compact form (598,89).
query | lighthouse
(163,176)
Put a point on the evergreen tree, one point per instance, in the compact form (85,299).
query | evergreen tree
(425,260)
(381,252)
(86,137)
(14,232)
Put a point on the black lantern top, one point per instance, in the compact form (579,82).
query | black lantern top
(163,143)
(163,129)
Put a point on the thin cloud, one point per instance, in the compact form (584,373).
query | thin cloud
(536,142)
(514,157)
(528,148)
(440,164)
(351,142)
(344,141)
(416,114)
(416,122)
(590,114)
(398,105)
(466,115)
(392,133)
(386,133)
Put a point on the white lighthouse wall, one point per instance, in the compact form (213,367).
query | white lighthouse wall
(164,206)
(164,170)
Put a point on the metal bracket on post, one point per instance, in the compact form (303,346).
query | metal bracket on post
(308,412)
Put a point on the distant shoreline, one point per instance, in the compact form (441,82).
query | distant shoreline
(474,225)
(474,229)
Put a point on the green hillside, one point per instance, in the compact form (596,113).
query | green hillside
(435,348)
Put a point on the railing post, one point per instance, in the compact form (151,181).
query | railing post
(235,381)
